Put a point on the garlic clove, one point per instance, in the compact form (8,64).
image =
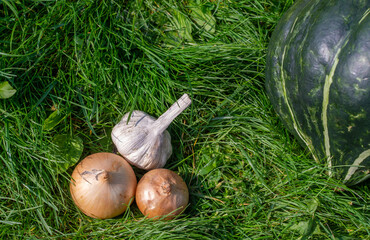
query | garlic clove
(143,140)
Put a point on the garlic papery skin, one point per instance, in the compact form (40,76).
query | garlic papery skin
(144,140)
(103,185)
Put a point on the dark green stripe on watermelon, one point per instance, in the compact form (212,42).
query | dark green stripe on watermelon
(318,80)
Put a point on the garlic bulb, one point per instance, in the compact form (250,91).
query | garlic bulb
(161,192)
(143,140)
(103,185)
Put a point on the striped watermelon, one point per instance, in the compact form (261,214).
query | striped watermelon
(318,80)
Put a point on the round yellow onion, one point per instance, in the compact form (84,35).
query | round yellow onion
(161,192)
(103,185)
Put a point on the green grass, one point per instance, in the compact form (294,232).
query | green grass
(96,60)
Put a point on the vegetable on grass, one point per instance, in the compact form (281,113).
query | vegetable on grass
(143,140)
(161,193)
(318,71)
(103,185)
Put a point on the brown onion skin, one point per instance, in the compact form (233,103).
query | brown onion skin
(161,192)
(103,185)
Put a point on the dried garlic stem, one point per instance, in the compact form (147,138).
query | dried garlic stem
(162,123)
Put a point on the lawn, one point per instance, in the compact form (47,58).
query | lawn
(79,66)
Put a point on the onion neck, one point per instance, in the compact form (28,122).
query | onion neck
(166,188)
(95,174)
(102,176)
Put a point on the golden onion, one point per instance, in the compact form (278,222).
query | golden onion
(103,185)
